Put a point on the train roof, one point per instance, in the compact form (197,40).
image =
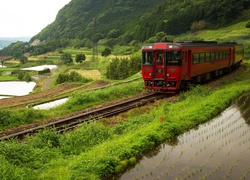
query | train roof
(205,43)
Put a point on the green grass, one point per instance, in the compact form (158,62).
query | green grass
(77,102)
(94,151)
(237,32)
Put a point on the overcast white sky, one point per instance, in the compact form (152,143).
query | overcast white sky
(27,17)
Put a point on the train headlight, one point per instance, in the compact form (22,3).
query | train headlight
(167,74)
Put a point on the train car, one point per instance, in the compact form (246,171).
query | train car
(169,66)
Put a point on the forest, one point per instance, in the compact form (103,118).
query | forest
(114,22)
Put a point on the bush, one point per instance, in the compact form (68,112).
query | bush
(46,70)
(122,68)
(72,77)
(24,76)
(80,57)
(106,51)
(66,58)
(248,24)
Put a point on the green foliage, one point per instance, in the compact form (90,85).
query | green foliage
(197,26)
(80,57)
(106,51)
(24,76)
(84,138)
(23,59)
(125,22)
(12,117)
(46,139)
(44,71)
(86,99)
(121,68)
(248,24)
(94,151)
(71,77)
(66,58)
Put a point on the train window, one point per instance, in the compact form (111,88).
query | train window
(215,56)
(202,57)
(147,58)
(212,56)
(207,57)
(227,54)
(223,54)
(219,55)
(196,58)
(159,58)
(173,57)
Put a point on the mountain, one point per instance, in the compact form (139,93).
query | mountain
(81,18)
(130,22)
(4,42)
(140,20)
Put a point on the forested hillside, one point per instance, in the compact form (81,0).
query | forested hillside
(140,20)
(82,22)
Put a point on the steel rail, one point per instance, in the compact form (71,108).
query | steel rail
(65,124)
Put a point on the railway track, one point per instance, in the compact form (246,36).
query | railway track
(72,122)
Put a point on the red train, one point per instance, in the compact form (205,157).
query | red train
(169,66)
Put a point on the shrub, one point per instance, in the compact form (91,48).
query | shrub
(66,58)
(46,70)
(80,57)
(248,24)
(197,26)
(24,76)
(72,77)
(106,51)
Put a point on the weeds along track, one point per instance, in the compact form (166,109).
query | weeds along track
(65,124)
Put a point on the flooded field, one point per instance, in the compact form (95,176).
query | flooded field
(40,68)
(16,88)
(51,104)
(219,149)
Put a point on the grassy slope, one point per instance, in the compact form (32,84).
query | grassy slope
(234,33)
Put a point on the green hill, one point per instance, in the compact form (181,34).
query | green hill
(114,22)
(140,20)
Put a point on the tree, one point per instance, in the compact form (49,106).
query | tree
(24,76)
(80,57)
(66,58)
(106,51)
(23,59)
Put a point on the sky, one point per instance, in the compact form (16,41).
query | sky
(19,18)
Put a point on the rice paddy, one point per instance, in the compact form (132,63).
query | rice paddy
(217,149)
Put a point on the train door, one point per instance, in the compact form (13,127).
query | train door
(159,65)
(185,65)
(189,62)
(231,56)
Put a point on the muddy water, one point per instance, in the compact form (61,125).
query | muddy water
(218,149)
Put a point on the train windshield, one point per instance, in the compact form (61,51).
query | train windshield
(173,57)
(147,58)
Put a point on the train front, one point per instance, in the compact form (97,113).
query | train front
(161,66)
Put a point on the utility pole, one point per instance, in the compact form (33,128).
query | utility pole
(94,40)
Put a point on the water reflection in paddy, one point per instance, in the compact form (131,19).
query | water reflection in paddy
(218,149)
(40,68)
(51,104)
(16,88)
